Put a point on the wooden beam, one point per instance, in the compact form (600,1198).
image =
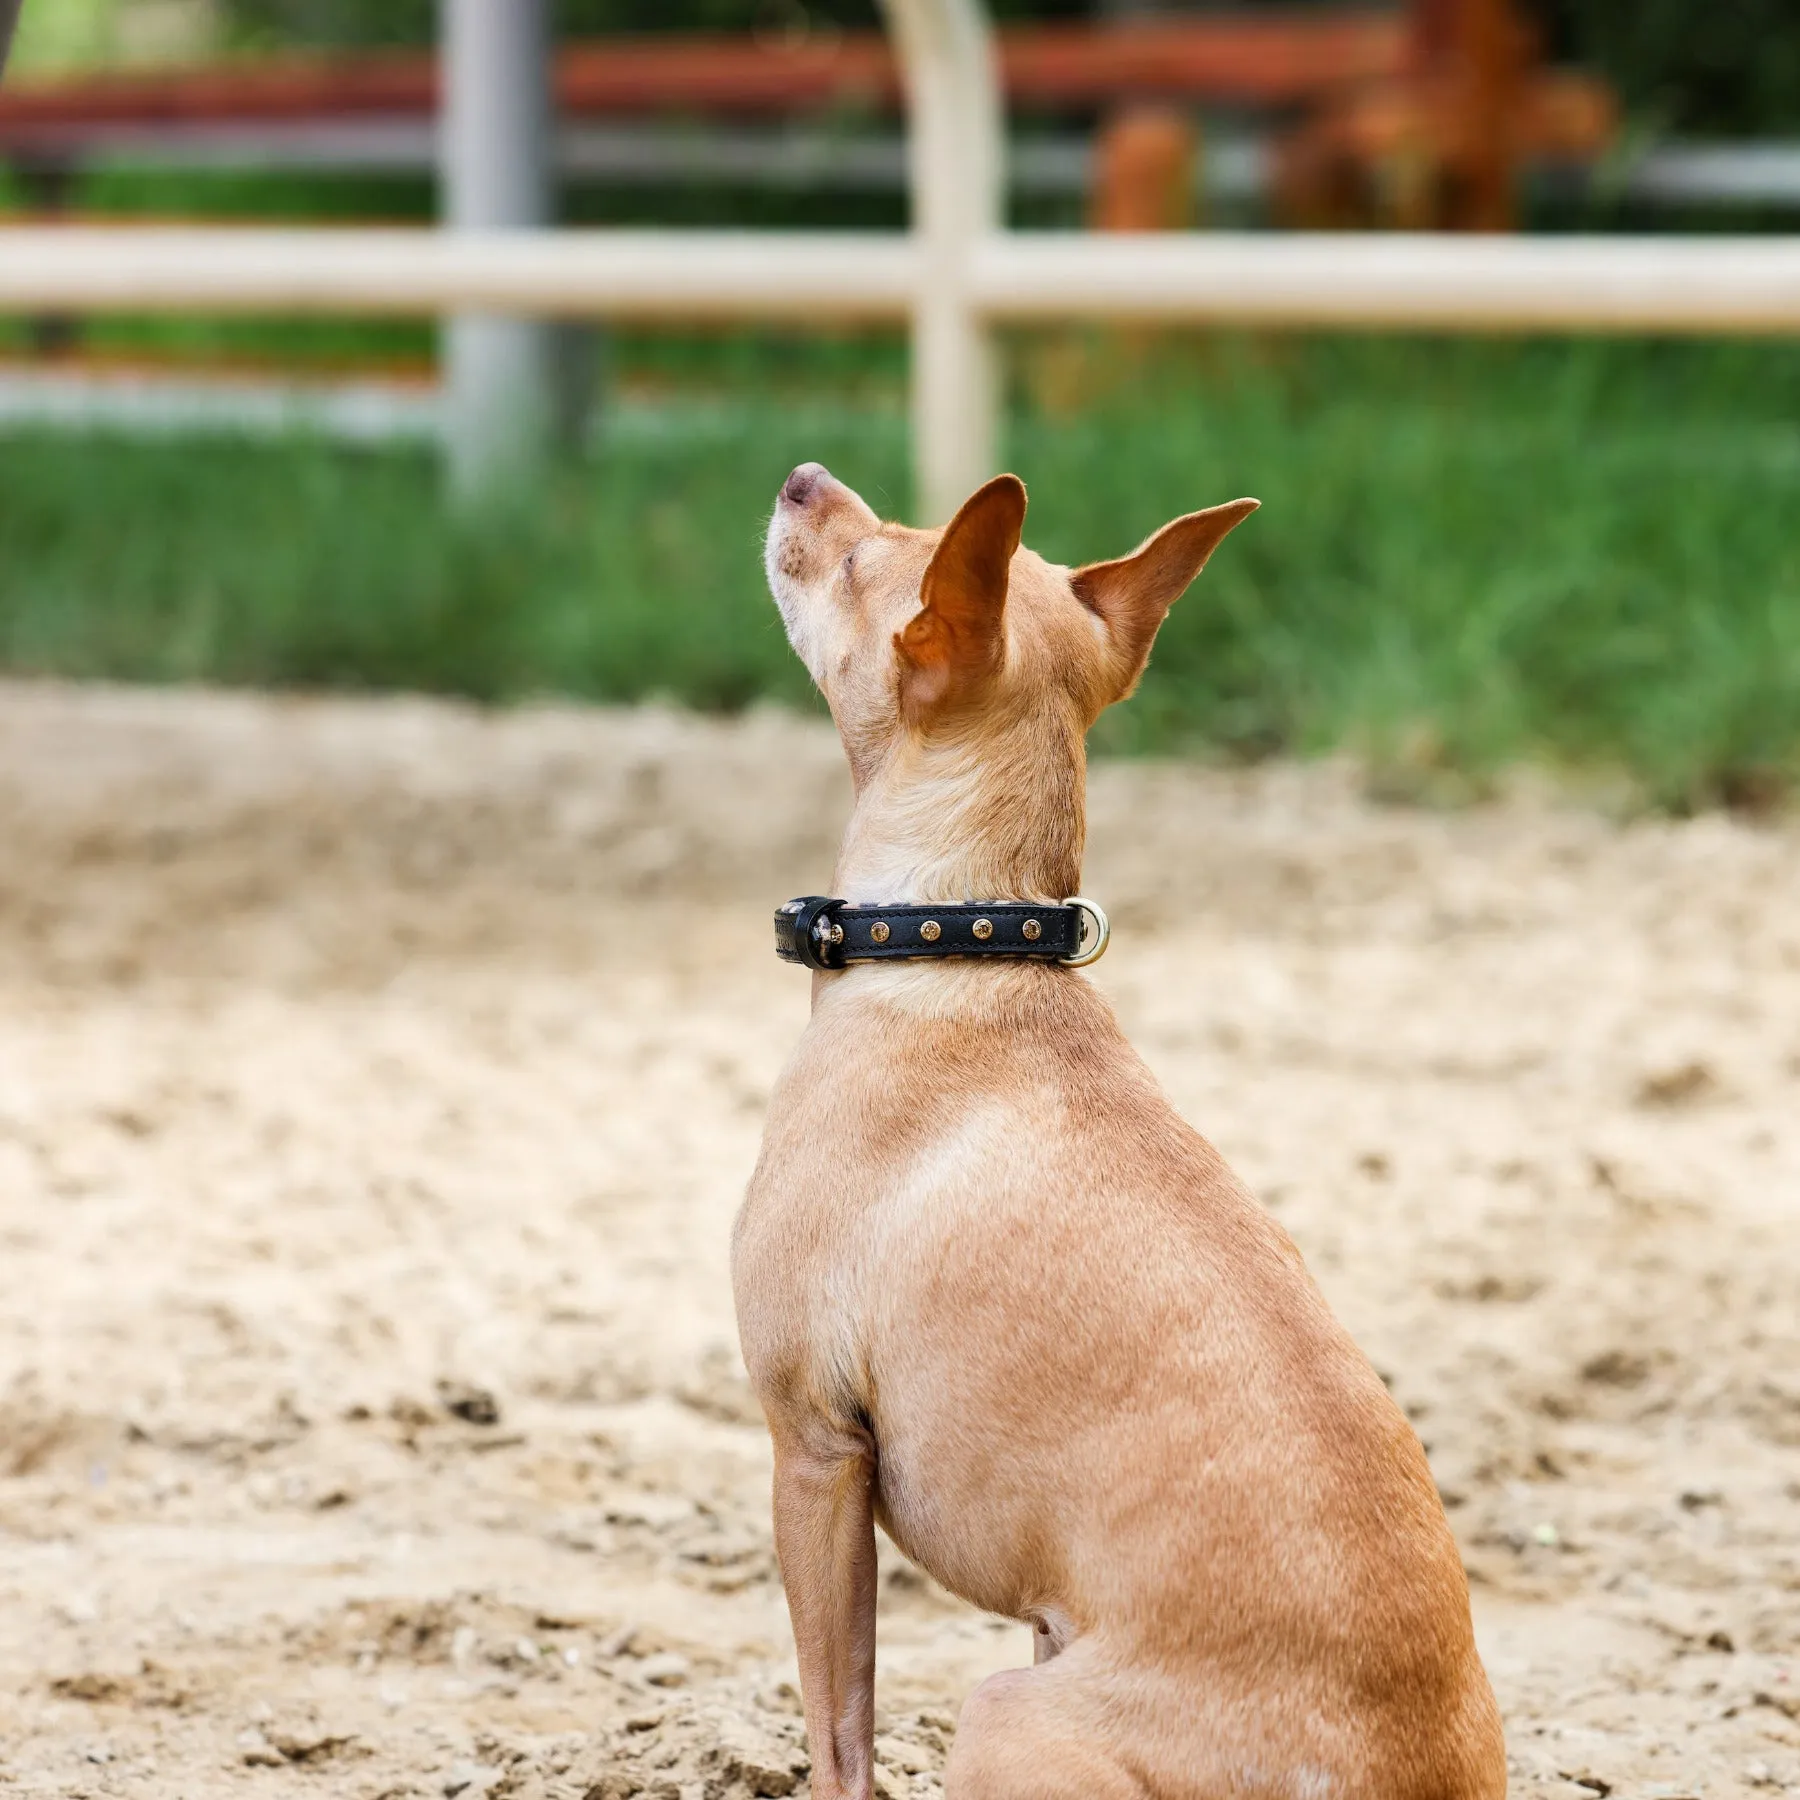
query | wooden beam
(1270,61)
(1379,280)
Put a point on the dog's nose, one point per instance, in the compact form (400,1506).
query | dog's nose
(804,483)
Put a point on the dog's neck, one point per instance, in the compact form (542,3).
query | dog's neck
(968,820)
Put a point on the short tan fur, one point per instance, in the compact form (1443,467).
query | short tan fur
(998,1297)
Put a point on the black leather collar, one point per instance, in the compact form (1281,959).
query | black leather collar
(821,933)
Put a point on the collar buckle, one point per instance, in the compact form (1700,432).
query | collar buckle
(807,932)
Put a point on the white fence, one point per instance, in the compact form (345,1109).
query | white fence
(955,276)
(1323,279)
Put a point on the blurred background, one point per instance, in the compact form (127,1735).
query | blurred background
(1477,550)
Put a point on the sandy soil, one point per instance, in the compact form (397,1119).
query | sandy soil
(377,1082)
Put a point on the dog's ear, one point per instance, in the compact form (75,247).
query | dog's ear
(1133,594)
(956,640)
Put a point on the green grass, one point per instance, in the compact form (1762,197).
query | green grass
(1470,554)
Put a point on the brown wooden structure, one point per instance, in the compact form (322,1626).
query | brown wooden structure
(1261,61)
(1420,116)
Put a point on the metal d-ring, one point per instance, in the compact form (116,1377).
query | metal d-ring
(1102,934)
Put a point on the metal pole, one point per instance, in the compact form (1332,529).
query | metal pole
(494,158)
(955,145)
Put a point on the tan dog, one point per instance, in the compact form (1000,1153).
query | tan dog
(997,1296)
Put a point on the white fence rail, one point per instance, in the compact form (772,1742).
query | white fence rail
(1426,283)
(595,274)
(1327,279)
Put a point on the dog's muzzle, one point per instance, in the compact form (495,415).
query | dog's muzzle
(821,933)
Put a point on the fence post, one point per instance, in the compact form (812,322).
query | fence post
(494,159)
(955,143)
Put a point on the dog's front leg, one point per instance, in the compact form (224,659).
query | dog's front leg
(825,1537)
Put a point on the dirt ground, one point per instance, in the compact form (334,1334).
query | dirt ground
(377,1084)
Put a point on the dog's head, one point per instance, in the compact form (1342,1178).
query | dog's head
(946,653)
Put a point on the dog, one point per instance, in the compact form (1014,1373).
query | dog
(996,1296)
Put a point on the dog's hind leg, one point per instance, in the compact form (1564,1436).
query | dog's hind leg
(1039,1734)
